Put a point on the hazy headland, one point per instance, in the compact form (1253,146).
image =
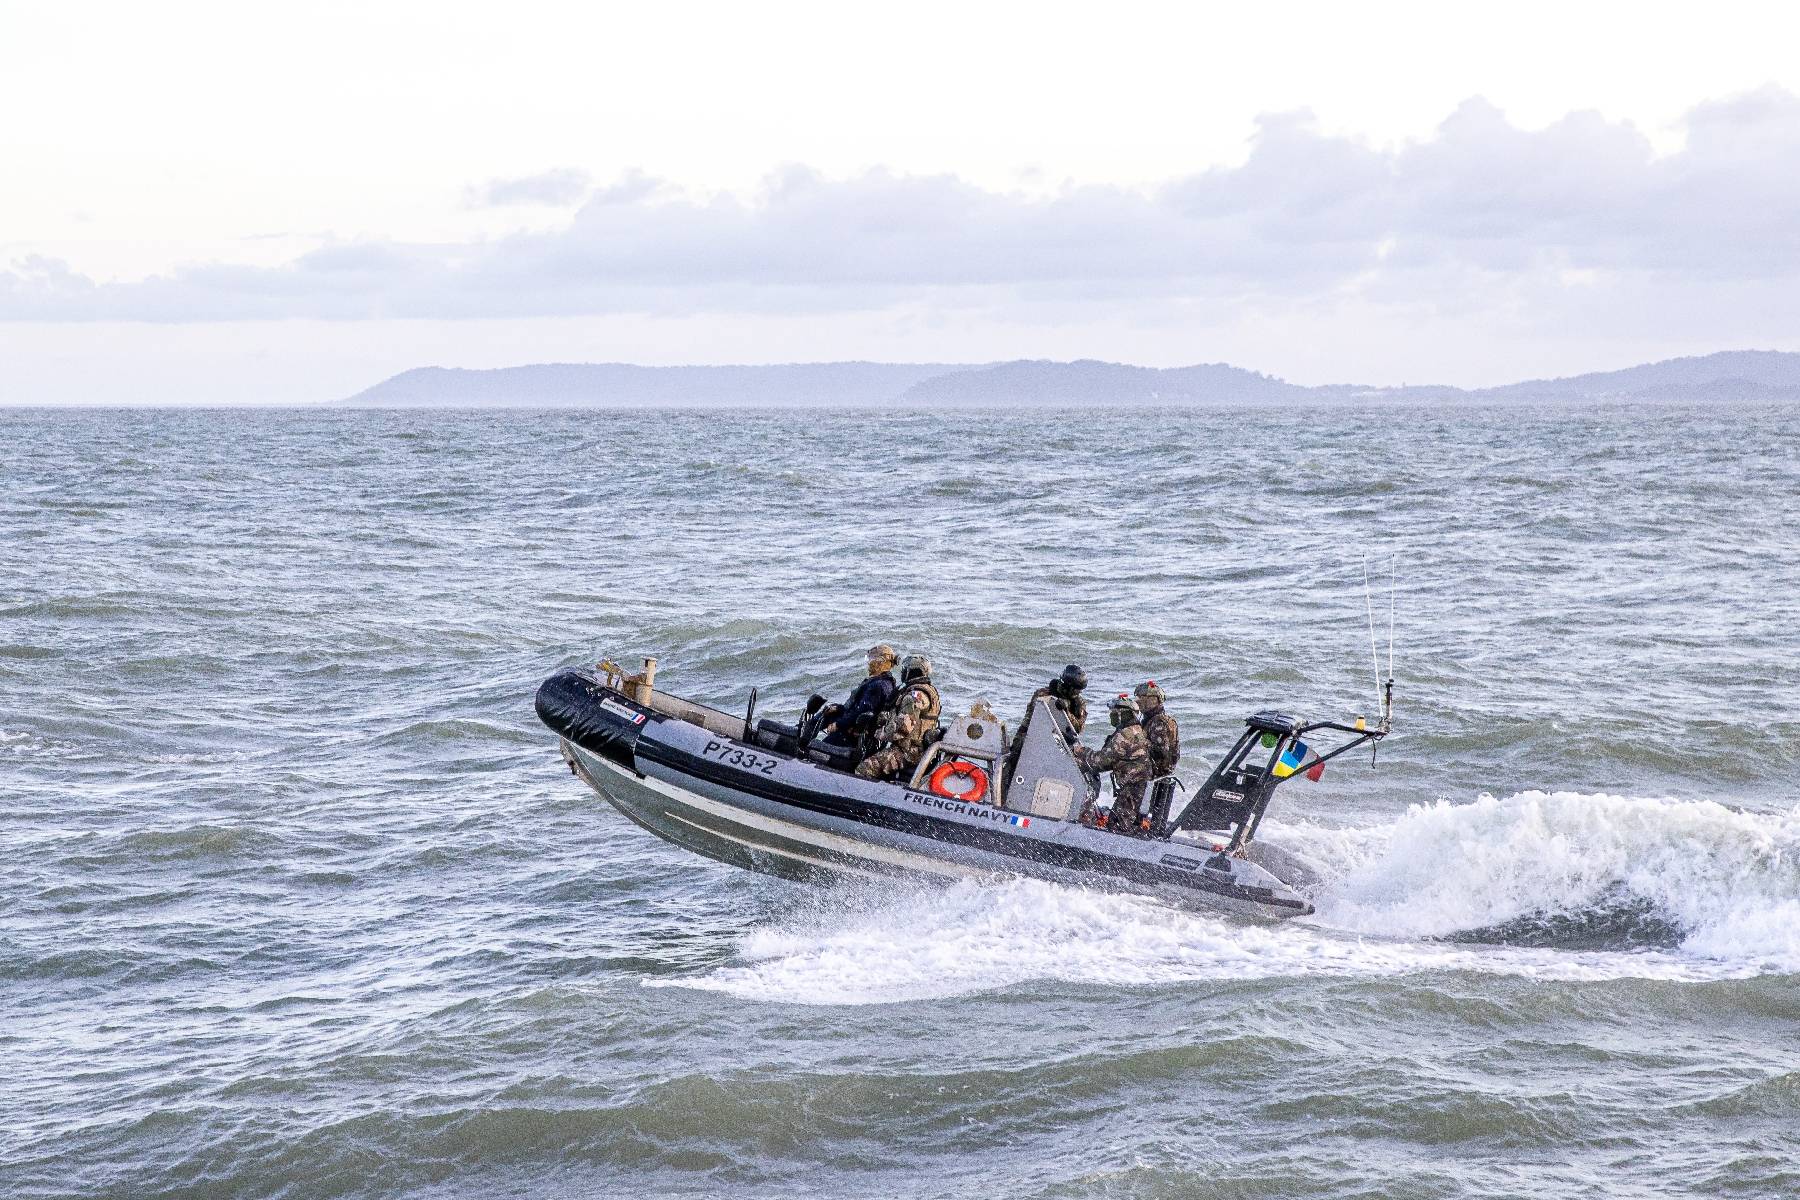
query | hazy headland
(1732,374)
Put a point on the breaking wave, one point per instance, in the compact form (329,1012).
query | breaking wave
(1553,886)
(1564,868)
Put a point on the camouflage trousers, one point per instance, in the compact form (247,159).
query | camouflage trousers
(889,762)
(1128,804)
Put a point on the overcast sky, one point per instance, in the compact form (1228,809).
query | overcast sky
(238,203)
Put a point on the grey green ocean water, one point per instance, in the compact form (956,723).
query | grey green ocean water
(296,899)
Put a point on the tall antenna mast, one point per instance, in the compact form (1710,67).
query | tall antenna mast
(1387,699)
(1374,653)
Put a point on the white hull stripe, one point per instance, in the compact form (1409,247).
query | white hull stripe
(763,848)
(804,834)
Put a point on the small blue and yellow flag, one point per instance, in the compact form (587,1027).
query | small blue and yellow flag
(1291,760)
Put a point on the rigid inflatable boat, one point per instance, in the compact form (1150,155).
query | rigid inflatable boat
(768,796)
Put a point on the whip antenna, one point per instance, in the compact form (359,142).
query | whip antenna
(1387,700)
(1374,654)
(1393,579)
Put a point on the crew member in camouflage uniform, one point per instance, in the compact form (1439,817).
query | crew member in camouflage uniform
(1064,692)
(1164,737)
(909,728)
(1127,755)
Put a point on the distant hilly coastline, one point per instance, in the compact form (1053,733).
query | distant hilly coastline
(1731,374)
(584,385)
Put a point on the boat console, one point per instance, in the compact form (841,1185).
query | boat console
(1047,781)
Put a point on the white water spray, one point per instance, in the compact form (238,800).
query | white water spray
(1730,880)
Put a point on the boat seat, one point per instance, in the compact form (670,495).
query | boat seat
(779,736)
(784,738)
(838,758)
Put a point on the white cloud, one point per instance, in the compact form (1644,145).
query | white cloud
(1480,216)
(557,188)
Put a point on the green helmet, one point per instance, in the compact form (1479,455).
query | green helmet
(1148,690)
(1122,711)
(914,666)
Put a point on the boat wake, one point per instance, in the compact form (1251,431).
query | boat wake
(1571,870)
(1556,886)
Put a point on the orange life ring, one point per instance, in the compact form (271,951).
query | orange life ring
(962,770)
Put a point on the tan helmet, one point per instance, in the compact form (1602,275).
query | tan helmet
(914,666)
(881,658)
(1148,690)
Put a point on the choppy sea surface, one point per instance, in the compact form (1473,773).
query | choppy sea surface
(297,900)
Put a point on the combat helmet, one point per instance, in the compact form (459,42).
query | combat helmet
(1122,711)
(1073,679)
(1148,690)
(881,652)
(914,666)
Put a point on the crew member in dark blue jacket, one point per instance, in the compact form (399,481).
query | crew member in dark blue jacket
(846,723)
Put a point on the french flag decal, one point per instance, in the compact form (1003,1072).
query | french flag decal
(1021,822)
